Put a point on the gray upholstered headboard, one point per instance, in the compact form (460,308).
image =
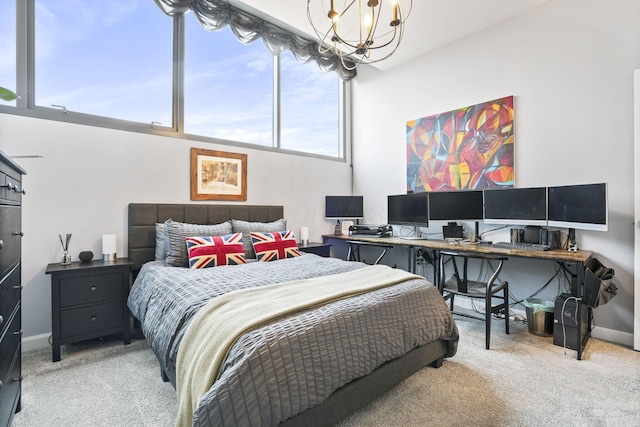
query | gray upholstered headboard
(144,216)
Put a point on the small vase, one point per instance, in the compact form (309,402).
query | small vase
(66,258)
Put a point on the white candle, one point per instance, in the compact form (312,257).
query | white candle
(109,247)
(304,235)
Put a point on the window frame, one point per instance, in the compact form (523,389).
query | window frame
(25,87)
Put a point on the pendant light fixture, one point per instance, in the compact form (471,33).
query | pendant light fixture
(359,31)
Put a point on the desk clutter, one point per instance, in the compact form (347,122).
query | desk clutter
(368,230)
(571,207)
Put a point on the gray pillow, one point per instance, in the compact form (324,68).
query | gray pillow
(177,254)
(246,227)
(162,242)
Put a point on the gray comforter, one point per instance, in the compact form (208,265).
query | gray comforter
(286,367)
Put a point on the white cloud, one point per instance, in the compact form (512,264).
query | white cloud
(63,23)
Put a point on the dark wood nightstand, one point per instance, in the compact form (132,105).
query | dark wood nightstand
(322,249)
(89,300)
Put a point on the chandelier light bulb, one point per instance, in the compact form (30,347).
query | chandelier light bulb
(395,22)
(367,22)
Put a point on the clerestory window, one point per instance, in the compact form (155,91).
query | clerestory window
(107,58)
(127,65)
(8,48)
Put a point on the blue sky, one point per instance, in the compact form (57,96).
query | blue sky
(113,58)
(8,46)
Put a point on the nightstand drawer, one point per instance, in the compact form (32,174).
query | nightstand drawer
(87,320)
(87,289)
(9,295)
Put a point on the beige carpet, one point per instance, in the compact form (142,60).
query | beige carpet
(524,380)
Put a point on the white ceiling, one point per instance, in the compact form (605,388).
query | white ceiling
(432,23)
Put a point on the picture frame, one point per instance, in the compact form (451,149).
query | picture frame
(218,175)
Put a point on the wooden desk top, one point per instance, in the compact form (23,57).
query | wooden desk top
(555,255)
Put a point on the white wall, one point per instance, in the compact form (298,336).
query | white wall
(569,65)
(88,176)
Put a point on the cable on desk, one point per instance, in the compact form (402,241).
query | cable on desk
(557,272)
(492,230)
(422,253)
(411,233)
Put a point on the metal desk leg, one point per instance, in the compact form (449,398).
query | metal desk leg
(579,340)
(412,259)
(354,252)
(384,251)
(437,270)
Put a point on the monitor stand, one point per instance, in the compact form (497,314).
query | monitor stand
(417,234)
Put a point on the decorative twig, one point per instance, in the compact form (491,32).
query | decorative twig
(65,244)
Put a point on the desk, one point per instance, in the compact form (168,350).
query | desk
(557,255)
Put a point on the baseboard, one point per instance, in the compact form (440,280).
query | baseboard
(35,342)
(613,336)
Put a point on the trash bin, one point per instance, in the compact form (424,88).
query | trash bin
(539,316)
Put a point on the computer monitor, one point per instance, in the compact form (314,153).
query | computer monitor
(516,206)
(408,209)
(464,205)
(344,207)
(583,207)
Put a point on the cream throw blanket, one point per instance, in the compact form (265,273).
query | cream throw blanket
(215,328)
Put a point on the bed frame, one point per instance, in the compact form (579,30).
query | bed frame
(344,401)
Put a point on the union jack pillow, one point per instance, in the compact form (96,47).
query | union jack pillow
(212,251)
(274,246)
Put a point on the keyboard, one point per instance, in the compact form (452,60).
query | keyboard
(526,246)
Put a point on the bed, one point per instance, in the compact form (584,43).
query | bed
(311,367)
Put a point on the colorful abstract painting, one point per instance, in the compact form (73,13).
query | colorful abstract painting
(464,149)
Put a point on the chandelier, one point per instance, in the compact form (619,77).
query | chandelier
(359,31)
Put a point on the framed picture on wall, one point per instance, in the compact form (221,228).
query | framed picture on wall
(471,148)
(218,175)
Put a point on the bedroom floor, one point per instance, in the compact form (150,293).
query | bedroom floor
(523,380)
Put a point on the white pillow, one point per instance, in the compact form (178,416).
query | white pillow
(162,242)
